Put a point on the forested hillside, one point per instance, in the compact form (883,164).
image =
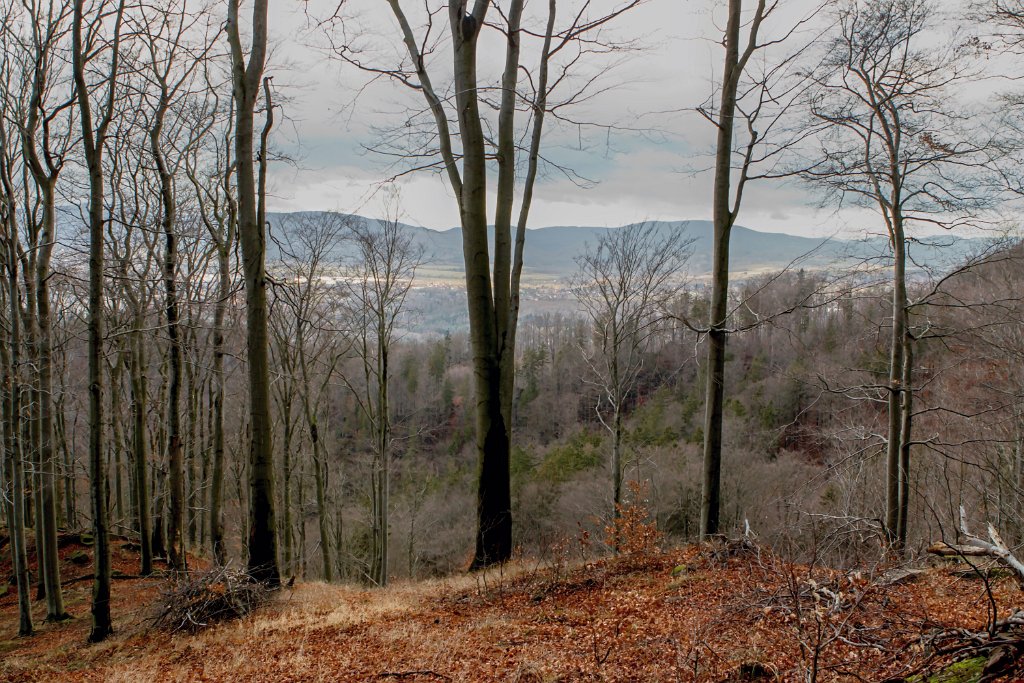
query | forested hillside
(671,450)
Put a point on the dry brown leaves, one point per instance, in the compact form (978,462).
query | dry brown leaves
(636,618)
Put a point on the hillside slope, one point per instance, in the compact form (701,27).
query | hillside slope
(703,613)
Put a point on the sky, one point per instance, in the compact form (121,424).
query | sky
(651,164)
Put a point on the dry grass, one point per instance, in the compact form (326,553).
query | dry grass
(617,621)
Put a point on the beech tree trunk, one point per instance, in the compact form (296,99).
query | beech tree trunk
(10,358)
(44,424)
(93,141)
(140,450)
(246,75)
(723,219)
(900,403)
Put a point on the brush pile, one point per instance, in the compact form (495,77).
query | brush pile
(195,600)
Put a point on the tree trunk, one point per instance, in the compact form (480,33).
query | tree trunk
(176,478)
(263,562)
(101,622)
(319,467)
(287,524)
(217,483)
(906,423)
(139,445)
(93,141)
(9,356)
(723,219)
(494,498)
(896,389)
(47,455)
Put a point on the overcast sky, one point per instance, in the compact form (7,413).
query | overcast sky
(332,114)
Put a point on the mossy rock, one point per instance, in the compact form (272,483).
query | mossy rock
(79,557)
(86,539)
(966,671)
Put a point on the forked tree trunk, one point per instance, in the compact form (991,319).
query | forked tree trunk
(50,568)
(94,135)
(246,75)
(494,498)
(493,311)
(10,357)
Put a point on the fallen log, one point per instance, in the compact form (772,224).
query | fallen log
(943,549)
(976,546)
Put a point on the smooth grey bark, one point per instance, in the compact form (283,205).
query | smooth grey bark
(726,199)
(11,361)
(51,560)
(94,136)
(906,427)
(245,77)
(176,474)
(722,219)
(894,472)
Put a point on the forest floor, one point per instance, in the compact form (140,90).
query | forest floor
(700,613)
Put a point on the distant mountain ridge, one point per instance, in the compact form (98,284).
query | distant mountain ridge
(551,251)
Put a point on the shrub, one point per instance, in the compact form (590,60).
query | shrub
(633,532)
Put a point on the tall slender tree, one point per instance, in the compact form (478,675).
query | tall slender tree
(625,285)
(10,360)
(378,285)
(893,138)
(96,35)
(246,75)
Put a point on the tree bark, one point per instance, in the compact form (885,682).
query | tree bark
(93,141)
(140,452)
(175,456)
(494,498)
(10,358)
(723,220)
(51,561)
(263,561)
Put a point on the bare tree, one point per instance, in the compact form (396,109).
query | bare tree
(176,41)
(97,36)
(209,169)
(625,284)
(246,76)
(467,152)
(43,110)
(311,342)
(378,285)
(757,91)
(893,138)
(10,359)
